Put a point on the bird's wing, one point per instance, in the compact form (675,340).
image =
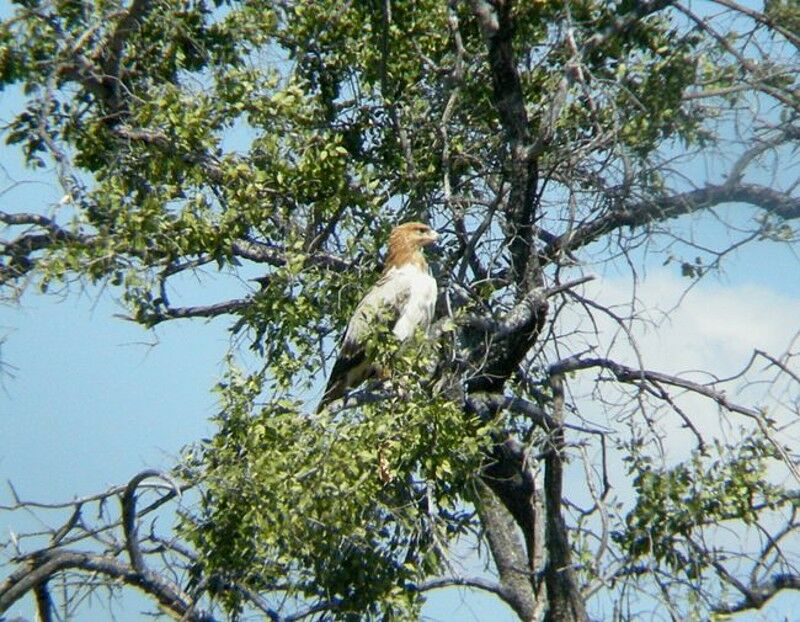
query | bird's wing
(385,302)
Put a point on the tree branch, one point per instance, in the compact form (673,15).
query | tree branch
(124,29)
(476,582)
(44,604)
(164,143)
(564,598)
(128,502)
(487,405)
(20,252)
(20,249)
(273,255)
(507,346)
(497,25)
(759,595)
(516,584)
(43,565)
(761,18)
(622,24)
(623,373)
(151,318)
(644,212)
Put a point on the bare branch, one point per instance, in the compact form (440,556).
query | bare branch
(563,594)
(516,584)
(761,18)
(642,213)
(487,405)
(44,604)
(758,596)
(151,318)
(624,373)
(41,566)
(476,582)
(128,502)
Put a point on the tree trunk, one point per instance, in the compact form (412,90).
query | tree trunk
(565,602)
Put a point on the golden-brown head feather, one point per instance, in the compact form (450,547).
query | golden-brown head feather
(405,245)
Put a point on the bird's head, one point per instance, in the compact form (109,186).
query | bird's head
(406,242)
(415,234)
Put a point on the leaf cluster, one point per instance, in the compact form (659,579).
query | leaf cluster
(676,505)
(349,510)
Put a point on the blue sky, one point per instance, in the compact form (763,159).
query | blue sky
(87,399)
(92,399)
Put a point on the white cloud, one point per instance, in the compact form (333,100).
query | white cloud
(710,329)
(712,326)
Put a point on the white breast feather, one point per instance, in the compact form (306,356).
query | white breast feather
(419,308)
(408,291)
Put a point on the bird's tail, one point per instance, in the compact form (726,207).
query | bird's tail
(333,392)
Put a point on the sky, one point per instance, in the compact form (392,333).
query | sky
(93,399)
(87,399)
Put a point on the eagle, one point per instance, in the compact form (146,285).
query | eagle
(404,298)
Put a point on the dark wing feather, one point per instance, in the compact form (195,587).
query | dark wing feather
(384,302)
(345,367)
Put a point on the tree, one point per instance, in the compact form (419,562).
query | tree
(546,140)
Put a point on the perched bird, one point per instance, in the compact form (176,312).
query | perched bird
(403,298)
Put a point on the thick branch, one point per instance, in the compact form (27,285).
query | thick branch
(497,25)
(508,498)
(151,318)
(564,599)
(645,212)
(43,565)
(275,256)
(516,585)
(125,28)
(758,596)
(487,405)
(507,348)
(521,314)
(44,604)
(128,502)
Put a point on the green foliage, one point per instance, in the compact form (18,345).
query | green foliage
(349,510)
(321,117)
(785,13)
(236,139)
(675,505)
